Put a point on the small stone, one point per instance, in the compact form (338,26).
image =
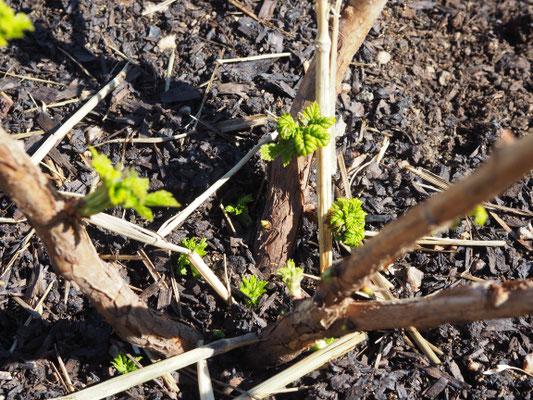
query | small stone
(93,133)
(383,57)
(167,42)
(365,95)
(444,78)
(474,366)
(414,278)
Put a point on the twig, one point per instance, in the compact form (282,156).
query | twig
(124,382)
(283,205)
(30,78)
(241,7)
(178,219)
(430,240)
(54,139)
(303,367)
(144,235)
(157,7)
(252,58)
(73,256)
(205,388)
(324,161)
(207,90)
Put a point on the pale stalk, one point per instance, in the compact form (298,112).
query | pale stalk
(323,98)
(332,79)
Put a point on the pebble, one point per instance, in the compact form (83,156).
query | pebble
(383,57)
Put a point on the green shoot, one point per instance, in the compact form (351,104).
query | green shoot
(122,188)
(347,221)
(299,138)
(266,224)
(253,288)
(12,26)
(292,276)
(320,344)
(480,215)
(183,260)
(124,365)
(240,210)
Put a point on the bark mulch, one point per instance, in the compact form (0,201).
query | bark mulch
(459,75)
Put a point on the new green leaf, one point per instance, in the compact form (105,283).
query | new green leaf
(12,26)
(122,188)
(299,138)
(347,221)
(123,364)
(183,260)
(292,276)
(240,210)
(253,288)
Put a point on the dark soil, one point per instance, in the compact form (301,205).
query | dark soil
(460,73)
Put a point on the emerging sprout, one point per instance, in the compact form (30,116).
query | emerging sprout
(240,210)
(12,26)
(266,224)
(123,364)
(253,288)
(183,260)
(480,215)
(292,276)
(347,221)
(320,344)
(122,188)
(299,138)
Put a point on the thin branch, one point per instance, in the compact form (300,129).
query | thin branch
(284,195)
(54,139)
(124,382)
(73,255)
(175,221)
(506,166)
(313,318)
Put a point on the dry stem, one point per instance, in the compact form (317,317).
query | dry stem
(331,305)
(73,256)
(284,195)
(323,97)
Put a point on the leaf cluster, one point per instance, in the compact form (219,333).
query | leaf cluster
(253,288)
(122,188)
(12,26)
(123,364)
(291,276)
(480,215)
(299,138)
(241,209)
(183,260)
(347,221)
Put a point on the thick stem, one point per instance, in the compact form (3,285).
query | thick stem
(284,194)
(315,318)
(72,254)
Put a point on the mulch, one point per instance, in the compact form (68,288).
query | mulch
(459,75)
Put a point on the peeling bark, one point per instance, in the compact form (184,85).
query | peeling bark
(458,305)
(73,256)
(331,307)
(284,194)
